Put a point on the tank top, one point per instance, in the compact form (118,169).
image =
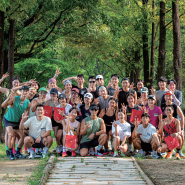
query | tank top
(109,119)
(71,124)
(14,114)
(95,126)
(170,128)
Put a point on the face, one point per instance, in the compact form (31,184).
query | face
(168,98)
(15,83)
(121,115)
(112,103)
(80,80)
(162,84)
(140,85)
(99,82)
(68,87)
(172,86)
(169,111)
(125,84)
(73,114)
(145,120)
(151,101)
(31,92)
(144,95)
(52,85)
(87,100)
(42,94)
(130,99)
(53,96)
(114,80)
(92,83)
(39,111)
(93,111)
(74,94)
(24,92)
(35,85)
(102,92)
(62,100)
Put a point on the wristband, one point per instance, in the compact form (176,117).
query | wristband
(55,75)
(94,134)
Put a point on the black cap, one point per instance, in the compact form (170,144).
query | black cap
(94,106)
(62,96)
(25,87)
(54,91)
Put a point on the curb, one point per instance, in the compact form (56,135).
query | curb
(47,169)
(146,178)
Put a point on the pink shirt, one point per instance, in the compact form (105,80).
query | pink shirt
(154,115)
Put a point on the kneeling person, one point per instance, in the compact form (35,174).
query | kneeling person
(39,131)
(93,132)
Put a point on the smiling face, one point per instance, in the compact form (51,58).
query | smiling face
(121,115)
(169,111)
(145,120)
(35,85)
(62,101)
(130,99)
(168,98)
(80,80)
(125,84)
(151,101)
(112,103)
(92,83)
(114,80)
(93,111)
(31,92)
(73,114)
(162,84)
(103,92)
(68,86)
(100,82)
(87,100)
(140,85)
(52,85)
(42,94)
(15,83)
(172,86)
(24,93)
(53,96)
(39,111)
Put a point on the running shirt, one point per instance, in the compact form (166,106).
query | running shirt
(163,107)
(146,133)
(95,126)
(170,128)
(123,129)
(38,128)
(85,113)
(67,108)
(14,114)
(104,103)
(71,124)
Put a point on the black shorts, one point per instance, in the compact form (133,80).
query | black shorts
(38,145)
(108,128)
(14,125)
(54,123)
(90,144)
(147,147)
(60,126)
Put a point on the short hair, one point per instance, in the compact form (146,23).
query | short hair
(16,77)
(115,75)
(145,115)
(92,77)
(112,98)
(140,80)
(162,78)
(171,80)
(80,76)
(40,105)
(74,108)
(121,110)
(130,94)
(171,106)
(125,78)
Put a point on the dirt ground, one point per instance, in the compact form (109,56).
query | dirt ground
(164,171)
(16,172)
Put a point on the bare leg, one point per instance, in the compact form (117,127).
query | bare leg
(116,143)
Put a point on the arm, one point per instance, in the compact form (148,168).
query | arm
(64,125)
(160,120)
(134,135)
(135,97)
(70,78)
(24,121)
(34,103)
(47,133)
(3,77)
(179,112)
(84,127)
(102,113)
(102,128)
(176,101)
(9,101)
(4,90)
(59,89)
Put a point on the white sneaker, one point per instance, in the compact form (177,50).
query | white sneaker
(173,153)
(32,155)
(55,149)
(44,154)
(91,151)
(180,153)
(115,155)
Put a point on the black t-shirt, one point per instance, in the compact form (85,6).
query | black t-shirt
(85,113)
(95,94)
(122,97)
(138,95)
(163,107)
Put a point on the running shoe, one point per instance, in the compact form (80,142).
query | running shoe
(25,152)
(32,155)
(98,154)
(12,157)
(19,156)
(155,156)
(55,149)
(181,154)
(59,149)
(73,154)
(64,154)
(173,153)
(92,151)
(148,155)
(122,154)
(177,156)
(115,154)
(38,154)
(44,154)
(169,155)
(78,151)
(7,153)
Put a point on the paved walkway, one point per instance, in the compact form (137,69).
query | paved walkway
(92,170)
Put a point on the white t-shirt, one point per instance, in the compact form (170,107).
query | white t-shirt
(67,108)
(146,133)
(38,128)
(123,129)
(74,125)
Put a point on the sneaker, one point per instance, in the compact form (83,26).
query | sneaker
(64,154)
(169,155)
(12,157)
(155,156)
(173,153)
(25,152)
(106,152)
(73,154)
(32,155)
(115,154)
(8,153)
(177,156)
(44,154)
(55,149)
(78,150)
(148,155)
(164,154)
(59,149)
(98,154)
(181,154)
(92,151)
(122,154)
(19,156)
(38,154)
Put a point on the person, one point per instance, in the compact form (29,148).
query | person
(17,106)
(113,85)
(71,127)
(99,81)
(92,87)
(109,115)
(140,85)
(31,94)
(143,100)
(93,132)
(145,136)
(171,127)
(62,99)
(40,128)
(67,91)
(121,95)
(75,98)
(121,131)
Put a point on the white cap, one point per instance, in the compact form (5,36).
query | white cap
(88,95)
(99,76)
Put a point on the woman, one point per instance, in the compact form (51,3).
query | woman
(143,100)
(72,127)
(67,91)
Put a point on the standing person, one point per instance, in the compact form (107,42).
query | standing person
(92,87)
(17,106)
(62,99)
(121,131)
(99,81)
(93,132)
(113,85)
(67,91)
(121,95)
(140,85)
(39,131)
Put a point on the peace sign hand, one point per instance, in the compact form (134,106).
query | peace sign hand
(153,90)
(5,75)
(57,72)
(146,110)
(132,86)
(109,84)
(136,122)
(117,91)
(124,108)
(25,116)
(114,124)
(88,124)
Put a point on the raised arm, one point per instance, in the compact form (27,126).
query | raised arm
(70,78)
(9,101)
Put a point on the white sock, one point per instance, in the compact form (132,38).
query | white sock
(98,148)
(46,149)
(130,146)
(64,148)
(37,149)
(31,150)
(41,150)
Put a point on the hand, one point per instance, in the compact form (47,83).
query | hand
(136,122)
(132,86)
(38,140)
(91,136)
(47,88)
(115,124)
(58,121)
(88,125)
(97,100)
(174,135)
(159,149)
(182,133)
(89,89)
(5,75)
(32,80)
(40,100)
(146,110)
(117,91)
(57,72)
(69,116)
(109,85)
(79,100)
(25,116)
(124,108)
(153,90)
(60,112)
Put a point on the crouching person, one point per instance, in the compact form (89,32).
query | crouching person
(145,137)
(121,130)
(93,132)
(39,131)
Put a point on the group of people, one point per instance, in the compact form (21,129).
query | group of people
(102,118)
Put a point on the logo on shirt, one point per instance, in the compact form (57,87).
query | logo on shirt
(156,114)
(21,104)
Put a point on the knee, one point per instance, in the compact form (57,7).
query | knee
(49,140)
(117,138)
(10,135)
(83,152)
(27,140)
(104,136)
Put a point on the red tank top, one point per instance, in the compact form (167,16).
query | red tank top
(170,128)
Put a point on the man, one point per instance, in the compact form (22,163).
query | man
(93,132)
(99,81)
(40,128)
(121,95)
(31,94)
(17,106)
(145,136)
(92,87)
(113,85)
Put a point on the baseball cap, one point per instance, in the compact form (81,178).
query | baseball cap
(25,87)
(75,89)
(88,95)
(54,91)
(43,89)
(144,89)
(52,80)
(62,96)
(94,106)
(168,93)
(99,76)
(151,97)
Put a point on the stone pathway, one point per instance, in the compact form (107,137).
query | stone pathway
(92,170)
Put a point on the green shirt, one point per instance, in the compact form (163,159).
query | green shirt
(95,126)
(14,114)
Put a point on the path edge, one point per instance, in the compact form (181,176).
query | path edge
(49,166)
(146,178)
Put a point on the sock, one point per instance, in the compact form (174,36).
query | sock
(116,152)
(7,148)
(13,150)
(177,151)
(41,150)
(18,150)
(15,146)
(37,150)
(122,153)
(25,149)
(153,152)
(99,147)
(64,149)
(31,150)
(46,149)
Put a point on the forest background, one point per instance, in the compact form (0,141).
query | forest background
(138,39)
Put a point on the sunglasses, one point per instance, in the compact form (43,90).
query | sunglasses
(169,110)
(73,93)
(43,92)
(93,109)
(99,79)
(92,81)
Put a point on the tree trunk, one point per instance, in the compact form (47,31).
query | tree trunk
(11,53)
(177,58)
(152,48)
(145,45)
(1,66)
(162,41)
